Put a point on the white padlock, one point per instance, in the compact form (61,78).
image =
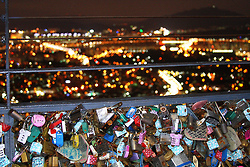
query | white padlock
(23,136)
(2,146)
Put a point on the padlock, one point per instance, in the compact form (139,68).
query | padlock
(135,146)
(199,104)
(109,123)
(25,157)
(102,146)
(122,118)
(5,127)
(23,135)
(168,155)
(117,164)
(159,161)
(78,125)
(14,114)
(54,124)
(179,160)
(238,120)
(147,152)
(85,128)
(241,105)
(141,137)
(222,141)
(94,152)
(48,148)
(18,155)
(59,138)
(20,120)
(149,118)
(101,164)
(92,160)
(127,149)
(35,132)
(212,117)
(2,147)
(121,148)
(77,113)
(36,148)
(38,162)
(151,139)
(137,121)
(165,139)
(115,107)
(38,120)
(53,161)
(158,149)
(191,122)
(201,149)
(163,111)
(175,139)
(75,140)
(45,134)
(131,112)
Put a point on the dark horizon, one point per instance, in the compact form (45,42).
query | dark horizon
(100,23)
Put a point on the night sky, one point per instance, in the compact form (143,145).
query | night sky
(33,8)
(119,7)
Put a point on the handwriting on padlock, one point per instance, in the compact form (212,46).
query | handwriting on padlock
(38,120)
(175,139)
(2,146)
(23,136)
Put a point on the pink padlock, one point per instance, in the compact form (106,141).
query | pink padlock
(175,139)
(247,134)
(209,130)
(38,120)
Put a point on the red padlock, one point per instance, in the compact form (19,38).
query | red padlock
(137,121)
(218,155)
(147,152)
(5,127)
(53,125)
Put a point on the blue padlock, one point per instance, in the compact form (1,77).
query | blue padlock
(131,112)
(109,138)
(59,138)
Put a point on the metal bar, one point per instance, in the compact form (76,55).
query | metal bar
(7,65)
(106,67)
(127,102)
(120,17)
(131,37)
(9,137)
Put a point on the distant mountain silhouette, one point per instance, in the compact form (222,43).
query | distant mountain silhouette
(191,23)
(148,24)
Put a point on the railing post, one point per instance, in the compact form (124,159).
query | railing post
(7,36)
(9,137)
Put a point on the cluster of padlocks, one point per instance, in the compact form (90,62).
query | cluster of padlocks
(184,135)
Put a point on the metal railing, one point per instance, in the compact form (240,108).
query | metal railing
(97,103)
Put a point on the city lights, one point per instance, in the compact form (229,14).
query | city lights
(122,51)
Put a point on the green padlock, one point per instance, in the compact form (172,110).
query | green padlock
(35,132)
(230,115)
(85,127)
